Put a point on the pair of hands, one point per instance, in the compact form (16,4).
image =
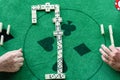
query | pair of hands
(111,56)
(11,61)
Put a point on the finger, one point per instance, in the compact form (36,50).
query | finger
(19,54)
(113,49)
(114,52)
(108,61)
(105,55)
(21,59)
(104,59)
(20,64)
(18,60)
(106,50)
(103,52)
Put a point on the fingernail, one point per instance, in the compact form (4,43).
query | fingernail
(20,49)
(102,45)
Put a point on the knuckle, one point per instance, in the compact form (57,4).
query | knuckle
(114,55)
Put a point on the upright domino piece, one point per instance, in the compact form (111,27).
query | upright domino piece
(111,35)
(2,40)
(8,30)
(58,33)
(34,16)
(1,24)
(102,29)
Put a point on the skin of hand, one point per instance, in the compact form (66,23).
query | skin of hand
(111,56)
(11,61)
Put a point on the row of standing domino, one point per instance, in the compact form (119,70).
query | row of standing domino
(2,36)
(110,32)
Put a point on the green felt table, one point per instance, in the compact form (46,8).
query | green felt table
(81,39)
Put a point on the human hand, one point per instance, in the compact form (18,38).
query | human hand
(11,61)
(111,56)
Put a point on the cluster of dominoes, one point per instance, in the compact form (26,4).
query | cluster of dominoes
(2,36)
(110,32)
(47,7)
(58,33)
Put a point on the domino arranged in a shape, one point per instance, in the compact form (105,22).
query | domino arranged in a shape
(58,33)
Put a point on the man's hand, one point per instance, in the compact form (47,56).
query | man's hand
(11,61)
(111,56)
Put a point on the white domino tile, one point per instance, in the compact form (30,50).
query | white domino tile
(8,30)
(1,24)
(2,40)
(34,16)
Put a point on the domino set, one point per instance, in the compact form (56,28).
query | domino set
(110,32)
(58,33)
(2,36)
